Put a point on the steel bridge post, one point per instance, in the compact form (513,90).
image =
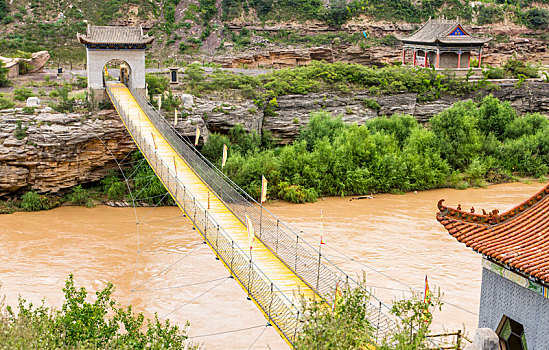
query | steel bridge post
(296,243)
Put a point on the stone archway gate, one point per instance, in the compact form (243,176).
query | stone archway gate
(106,43)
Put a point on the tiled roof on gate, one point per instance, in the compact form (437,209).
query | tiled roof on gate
(517,238)
(115,35)
(442,31)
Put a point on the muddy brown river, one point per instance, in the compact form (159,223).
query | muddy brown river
(394,239)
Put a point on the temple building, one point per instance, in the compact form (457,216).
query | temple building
(442,43)
(119,44)
(514,299)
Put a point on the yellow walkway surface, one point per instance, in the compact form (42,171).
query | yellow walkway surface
(282,277)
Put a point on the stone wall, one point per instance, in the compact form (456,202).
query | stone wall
(500,297)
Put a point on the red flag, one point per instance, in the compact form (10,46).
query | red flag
(251,233)
(321,227)
(426,292)
(154,141)
(263,189)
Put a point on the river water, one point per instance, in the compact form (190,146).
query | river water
(394,239)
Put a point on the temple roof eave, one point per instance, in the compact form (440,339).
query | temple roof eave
(517,238)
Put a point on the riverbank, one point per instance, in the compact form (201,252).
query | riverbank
(394,234)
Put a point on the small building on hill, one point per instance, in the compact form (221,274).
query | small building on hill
(514,245)
(118,44)
(442,43)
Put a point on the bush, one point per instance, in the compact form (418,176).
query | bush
(494,73)
(515,68)
(348,324)
(32,201)
(80,196)
(80,324)
(536,18)
(4,81)
(6,103)
(22,93)
(156,84)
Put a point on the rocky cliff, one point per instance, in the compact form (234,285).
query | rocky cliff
(519,42)
(293,111)
(50,152)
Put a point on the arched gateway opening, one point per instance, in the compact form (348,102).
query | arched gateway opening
(117,70)
(110,47)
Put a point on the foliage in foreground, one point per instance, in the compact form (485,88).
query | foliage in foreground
(81,324)
(468,144)
(347,326)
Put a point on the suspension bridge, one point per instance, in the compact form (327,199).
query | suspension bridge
(282,269)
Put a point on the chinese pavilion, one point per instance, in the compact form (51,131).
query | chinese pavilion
(514,298)
(442,43)
(107,43)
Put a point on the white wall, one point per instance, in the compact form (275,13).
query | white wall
(98,58)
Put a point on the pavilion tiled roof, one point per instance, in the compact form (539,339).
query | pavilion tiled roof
(517,238)
(440,31)
(115,35)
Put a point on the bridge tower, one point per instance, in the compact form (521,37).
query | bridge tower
(124,45)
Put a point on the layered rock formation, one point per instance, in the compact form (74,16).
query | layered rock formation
(293,111)
(513,43)
(51,152)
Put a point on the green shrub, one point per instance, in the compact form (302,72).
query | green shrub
(80,324)
(32,201)
(4,81)
(494,73)
(80,196)
(515,68)
(22,93)
(156,84)
(536,18)
(6,103)
(372,104)
(20,130)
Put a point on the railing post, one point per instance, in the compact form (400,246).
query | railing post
(277,229)
(296,324)
(270,303)
(296,243)
(205,223)
(232,256)
(378,319)
(458,340)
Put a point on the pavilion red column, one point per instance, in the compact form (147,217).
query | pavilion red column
(438,59)
(459,59)
(414,60)
(425,60)
(469,61)
(479,58)
(403,56)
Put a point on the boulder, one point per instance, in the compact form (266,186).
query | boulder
(485,339)
(33,101)
(38,61)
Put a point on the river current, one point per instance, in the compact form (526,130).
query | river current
(394,239)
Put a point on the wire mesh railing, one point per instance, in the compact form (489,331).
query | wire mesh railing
(276,306)
(303,259)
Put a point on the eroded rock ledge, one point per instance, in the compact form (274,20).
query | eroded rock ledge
(54,151)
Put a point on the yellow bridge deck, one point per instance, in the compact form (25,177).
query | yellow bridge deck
(269,264)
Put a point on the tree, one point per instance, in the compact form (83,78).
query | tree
(3,9)
(4,81)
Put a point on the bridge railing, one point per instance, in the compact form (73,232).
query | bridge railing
(277,307)
(314,269)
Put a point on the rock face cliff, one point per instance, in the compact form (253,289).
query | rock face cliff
(50,152)
(293,111)
(53,152)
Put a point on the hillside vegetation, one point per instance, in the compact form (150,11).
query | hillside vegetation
(184,27)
